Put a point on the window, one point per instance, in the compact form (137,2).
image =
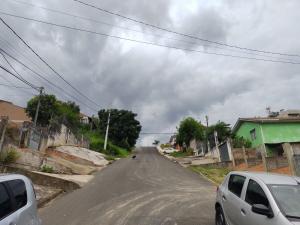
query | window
(236,183)
(5,203)
(19,192)
(253,134)
(255,194)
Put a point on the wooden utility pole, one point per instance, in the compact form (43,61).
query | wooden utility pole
(3,125)
(38,107)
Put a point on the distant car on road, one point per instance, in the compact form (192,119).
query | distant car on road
(169,150)
(18,204)
(246,198)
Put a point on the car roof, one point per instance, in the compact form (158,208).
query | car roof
(270,178)
(6,177)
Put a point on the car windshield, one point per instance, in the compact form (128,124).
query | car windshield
(288,198)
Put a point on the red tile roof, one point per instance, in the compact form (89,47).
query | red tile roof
(15,113)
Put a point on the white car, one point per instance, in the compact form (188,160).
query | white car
(169,150)
(246,198)
(18,204)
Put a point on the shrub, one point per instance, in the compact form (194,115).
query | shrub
(239,142)
(9,156)
(47,169)
(109,158)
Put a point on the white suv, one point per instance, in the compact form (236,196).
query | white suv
(246,198)
(17,201)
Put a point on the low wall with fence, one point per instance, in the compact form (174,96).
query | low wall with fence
(26,136)
(273,163)
(248,156)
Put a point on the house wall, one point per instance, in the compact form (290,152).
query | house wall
(244,131)
(281,132)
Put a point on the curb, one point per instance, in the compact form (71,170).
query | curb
(205,177)
(197,172)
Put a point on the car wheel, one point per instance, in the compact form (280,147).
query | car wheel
(220,219)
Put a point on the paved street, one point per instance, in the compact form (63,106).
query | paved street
(148,190)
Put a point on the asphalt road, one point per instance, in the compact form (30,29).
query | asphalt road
(148,190)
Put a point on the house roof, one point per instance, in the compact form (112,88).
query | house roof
(265,120)
(15,113)
(82,115)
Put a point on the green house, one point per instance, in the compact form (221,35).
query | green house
(268,134)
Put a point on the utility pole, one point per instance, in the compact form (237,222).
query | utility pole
(38,107)
(207,142)
(107,128)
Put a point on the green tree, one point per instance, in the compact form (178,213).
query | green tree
(68,113)
(124,129)
(239,142)
(223,130)
(53,113)
(188,130)
(48,108)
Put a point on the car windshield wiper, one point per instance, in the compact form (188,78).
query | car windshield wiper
(292,217)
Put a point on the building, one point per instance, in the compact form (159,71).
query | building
(269,133)
(84,119)
(15,114)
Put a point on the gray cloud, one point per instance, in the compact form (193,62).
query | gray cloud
(164,85)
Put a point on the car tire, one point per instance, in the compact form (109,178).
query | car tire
(220,218)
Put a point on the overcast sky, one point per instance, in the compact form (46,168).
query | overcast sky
(161,85)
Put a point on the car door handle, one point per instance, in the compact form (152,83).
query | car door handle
(224,198)
(243,212)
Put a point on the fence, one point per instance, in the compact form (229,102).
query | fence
(39,139)
(276,162)
(248,156)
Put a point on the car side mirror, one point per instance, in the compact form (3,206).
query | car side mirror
(262,210)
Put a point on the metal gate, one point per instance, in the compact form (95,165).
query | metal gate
(224,155)
(297,164)
(35,138)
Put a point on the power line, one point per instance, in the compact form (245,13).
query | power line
(182,34)
(137,31)
(11,66)
(150,43)
(74,88)
(24,81)
(45,79)
(6,85)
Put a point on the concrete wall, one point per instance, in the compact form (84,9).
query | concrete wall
(42,179)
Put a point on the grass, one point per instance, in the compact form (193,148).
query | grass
(9,156)
(215,174)
(47,169)
(97,143)
(180,154)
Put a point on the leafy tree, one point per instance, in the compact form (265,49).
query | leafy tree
(48,109)
(239,142)
(223,130)
(188,130)
(124,129)
(68,113)
(53,113)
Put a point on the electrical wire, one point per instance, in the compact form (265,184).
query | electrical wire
(48,65)
(19,87)
(182,34)
(45,79)
(151,43)
(138,31)
(24,81)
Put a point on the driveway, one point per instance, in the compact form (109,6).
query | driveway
(148,190)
